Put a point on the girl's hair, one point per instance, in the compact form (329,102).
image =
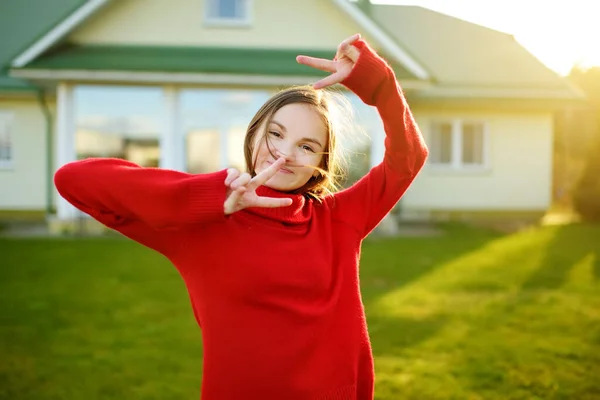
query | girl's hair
(333,109)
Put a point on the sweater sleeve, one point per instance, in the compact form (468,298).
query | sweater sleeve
(369,200)
(118,192)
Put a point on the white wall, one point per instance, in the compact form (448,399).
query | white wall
(23,186)
(313,24)
(518,176)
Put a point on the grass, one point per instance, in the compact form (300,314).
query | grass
(468,315)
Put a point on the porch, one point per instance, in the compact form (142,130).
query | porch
(196,129)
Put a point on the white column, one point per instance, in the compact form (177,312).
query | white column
(456,143)
(172,141)
(65,141)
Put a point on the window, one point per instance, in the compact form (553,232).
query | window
(214,123)
(228,11)
(457,144)
(472,144)
(6,132)
(120,122)
(441,143)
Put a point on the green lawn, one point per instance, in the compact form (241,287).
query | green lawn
(469,315)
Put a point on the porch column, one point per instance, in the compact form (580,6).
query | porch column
(65,141)
(172,144)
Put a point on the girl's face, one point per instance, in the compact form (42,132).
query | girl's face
(298,134)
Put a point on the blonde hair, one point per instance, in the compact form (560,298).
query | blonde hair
(334,110)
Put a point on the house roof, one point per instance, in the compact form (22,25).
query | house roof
(46,50)
(461,54)
(455,54)
(20,27)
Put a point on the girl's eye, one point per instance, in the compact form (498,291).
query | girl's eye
(307,148)
(276,134)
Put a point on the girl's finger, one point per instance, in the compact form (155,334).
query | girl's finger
(266,174)
(242,180)
(351,52)
(328,81)
(232,174)
(351,39)
(271,202)
(318,63)
(231,203)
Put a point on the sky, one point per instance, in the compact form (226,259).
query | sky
(557,32)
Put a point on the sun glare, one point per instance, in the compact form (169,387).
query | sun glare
(560,34)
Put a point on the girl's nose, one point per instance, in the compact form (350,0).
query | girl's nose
(280,152)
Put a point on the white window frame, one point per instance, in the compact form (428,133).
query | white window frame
(213,21)
(456,156)
(10,118)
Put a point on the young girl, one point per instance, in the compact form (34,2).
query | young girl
(270,256)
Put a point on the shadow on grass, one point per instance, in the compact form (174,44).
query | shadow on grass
(570,245)
(476,331)
(537,344)
(394,263)
(393,335)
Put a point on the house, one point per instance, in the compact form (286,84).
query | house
(174,83)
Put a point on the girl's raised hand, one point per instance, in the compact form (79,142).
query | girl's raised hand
(340,67)
(241,190)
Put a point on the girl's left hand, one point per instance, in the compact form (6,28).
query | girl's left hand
(340,67)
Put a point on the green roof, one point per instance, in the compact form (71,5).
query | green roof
(224,60)
(22,22)
(9,84)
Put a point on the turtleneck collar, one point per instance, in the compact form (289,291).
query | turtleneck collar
(298,213)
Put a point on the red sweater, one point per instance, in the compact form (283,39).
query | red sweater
(275,291)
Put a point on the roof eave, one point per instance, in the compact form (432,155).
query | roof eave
(162,77)
(440,92)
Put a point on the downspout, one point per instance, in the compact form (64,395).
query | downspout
(49,153)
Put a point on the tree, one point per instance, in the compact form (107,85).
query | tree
(586,197)
(577,128)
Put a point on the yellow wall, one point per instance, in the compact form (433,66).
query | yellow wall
(518,176)
(313,24)
(23,187)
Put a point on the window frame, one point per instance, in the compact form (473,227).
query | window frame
(10,117)
(456,152)
(212,21)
